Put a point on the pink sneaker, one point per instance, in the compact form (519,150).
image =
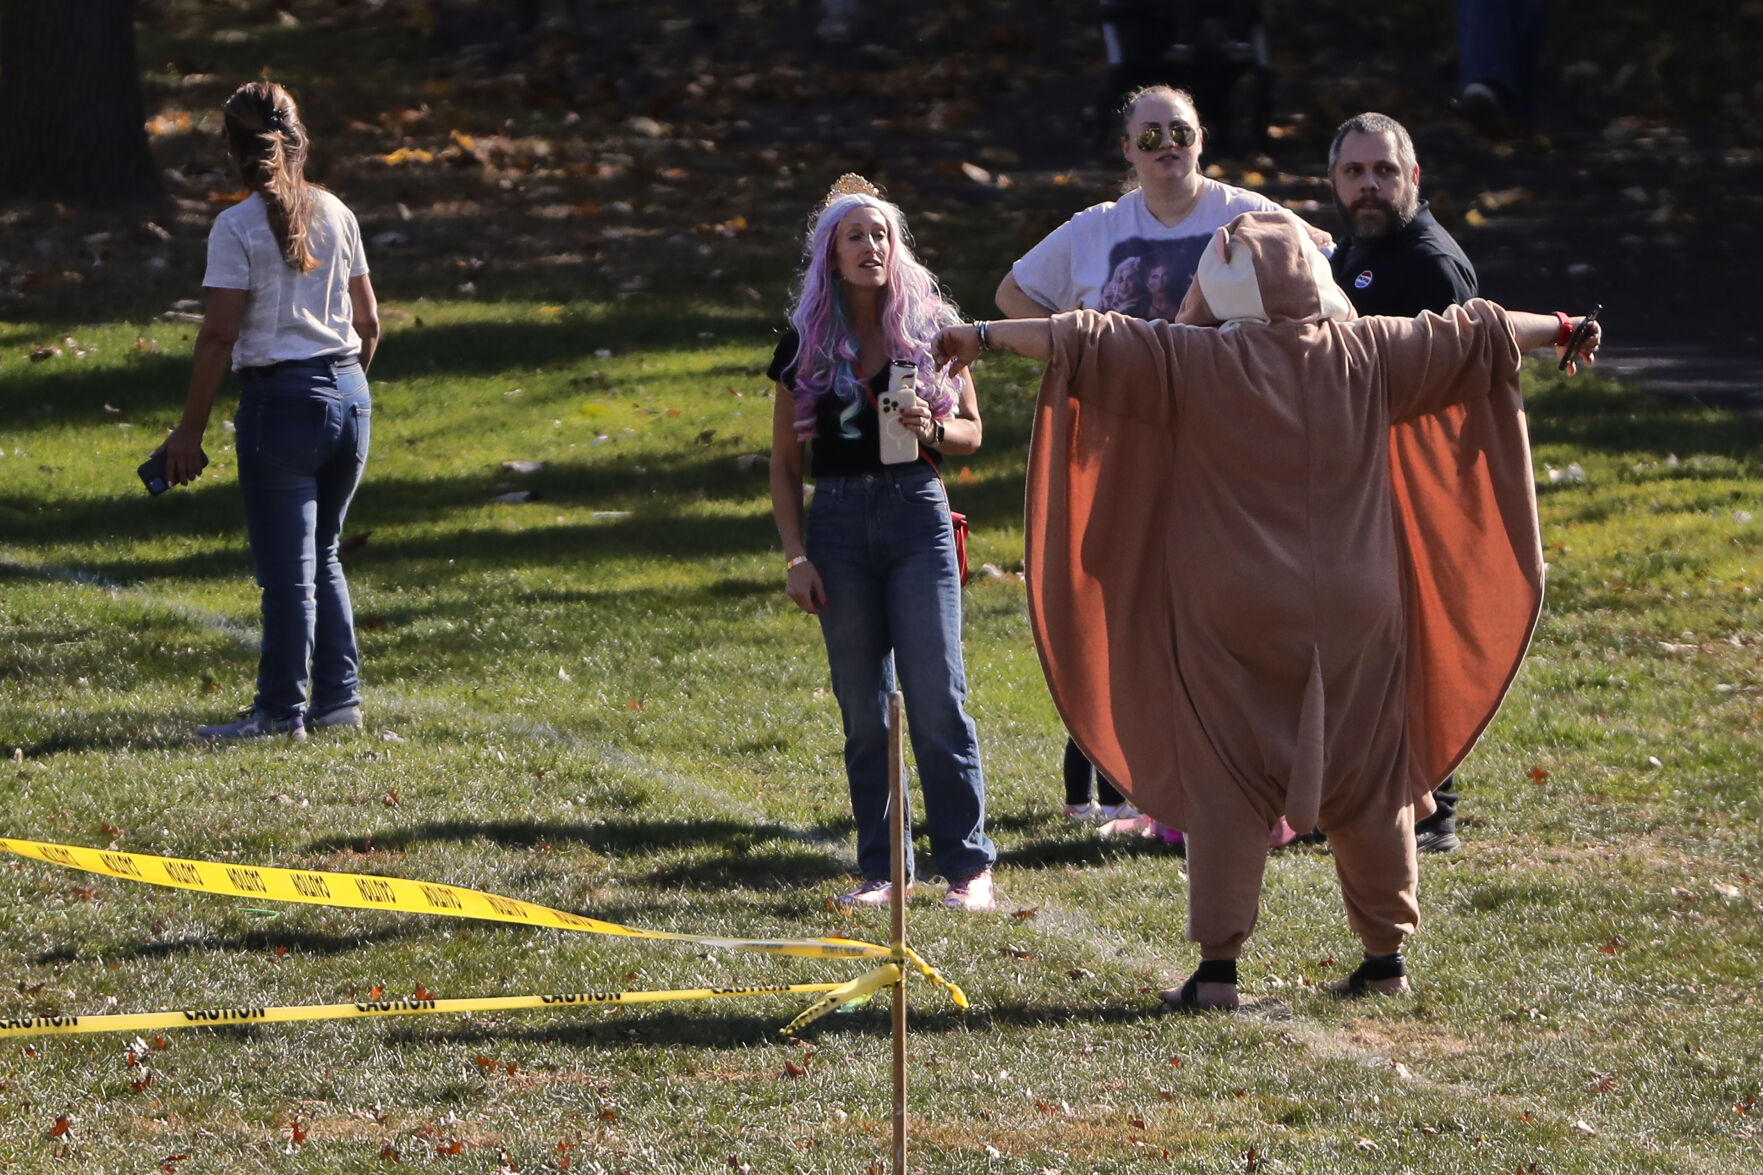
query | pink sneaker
(1281,836)
(976,893)
(872,893)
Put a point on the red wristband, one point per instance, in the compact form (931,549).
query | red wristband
(1565,334)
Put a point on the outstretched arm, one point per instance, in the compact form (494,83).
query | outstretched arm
(1539,330)
(960,345)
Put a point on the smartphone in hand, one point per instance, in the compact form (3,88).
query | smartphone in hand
(898,444)
(152,471)
(1578,336)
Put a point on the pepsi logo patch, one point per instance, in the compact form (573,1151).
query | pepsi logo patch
(1363,280)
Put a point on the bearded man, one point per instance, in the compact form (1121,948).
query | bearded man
(1395,260)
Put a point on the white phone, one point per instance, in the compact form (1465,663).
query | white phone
(899,444)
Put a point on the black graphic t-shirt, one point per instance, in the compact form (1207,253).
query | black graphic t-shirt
(832,453)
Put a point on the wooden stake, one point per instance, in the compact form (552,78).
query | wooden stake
(897,842)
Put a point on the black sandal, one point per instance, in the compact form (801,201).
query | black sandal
(1375,969)
(1209,971)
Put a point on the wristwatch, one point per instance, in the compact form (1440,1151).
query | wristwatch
(940,433)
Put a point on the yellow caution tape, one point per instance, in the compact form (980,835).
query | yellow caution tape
(841,994)
(363,891)
(211,1017)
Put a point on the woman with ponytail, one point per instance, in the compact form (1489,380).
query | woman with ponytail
(291,308)
(876,559)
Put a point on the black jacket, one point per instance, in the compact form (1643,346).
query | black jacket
(1417,267)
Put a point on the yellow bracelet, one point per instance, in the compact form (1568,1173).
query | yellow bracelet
(795,563)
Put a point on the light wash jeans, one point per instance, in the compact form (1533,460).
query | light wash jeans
(302,432)
(885,552)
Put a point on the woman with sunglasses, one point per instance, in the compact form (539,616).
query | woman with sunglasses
(874,558)
(1164,221)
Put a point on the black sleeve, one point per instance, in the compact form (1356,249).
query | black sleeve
(1437,283)
(1443,281)
(783,360)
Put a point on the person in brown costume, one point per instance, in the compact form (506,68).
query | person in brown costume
(1287,566)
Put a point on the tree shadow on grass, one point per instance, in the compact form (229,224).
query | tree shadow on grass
(658,520)
(54,394)
(1624,419)
(627,1028)
(609,836)
(1064,852)
(267,940)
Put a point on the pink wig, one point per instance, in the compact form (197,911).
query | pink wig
(913,310)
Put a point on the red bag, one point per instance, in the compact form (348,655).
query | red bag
(959,523)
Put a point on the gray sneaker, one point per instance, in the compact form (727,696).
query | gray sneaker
(344,716)
(253,724)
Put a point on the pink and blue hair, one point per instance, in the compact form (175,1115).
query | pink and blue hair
(913,311)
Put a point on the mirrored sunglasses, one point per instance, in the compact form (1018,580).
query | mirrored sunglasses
(1180,135)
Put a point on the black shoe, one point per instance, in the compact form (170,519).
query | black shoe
(1436,840)
(1484,106)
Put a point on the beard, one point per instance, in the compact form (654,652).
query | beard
(1369,217)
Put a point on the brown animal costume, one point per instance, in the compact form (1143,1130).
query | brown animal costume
(1291,565)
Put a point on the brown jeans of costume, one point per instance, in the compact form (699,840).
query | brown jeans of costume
(1374,854)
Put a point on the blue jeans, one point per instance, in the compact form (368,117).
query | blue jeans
(886,555)
(1497,42)
(302,432)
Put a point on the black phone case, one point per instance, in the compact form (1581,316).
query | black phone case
(152,471)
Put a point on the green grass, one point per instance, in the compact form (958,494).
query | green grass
(602,701)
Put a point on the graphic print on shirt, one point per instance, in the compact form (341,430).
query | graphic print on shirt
(1148,279)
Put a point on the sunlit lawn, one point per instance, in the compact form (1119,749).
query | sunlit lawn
(599,699)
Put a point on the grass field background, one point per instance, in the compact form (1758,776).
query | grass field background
(598,698)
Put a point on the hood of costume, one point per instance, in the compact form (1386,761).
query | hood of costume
(1276,547)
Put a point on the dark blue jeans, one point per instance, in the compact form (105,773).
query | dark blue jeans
(886,555)
(1497,42)
(302,433)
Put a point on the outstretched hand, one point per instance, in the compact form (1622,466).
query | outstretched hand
(956,347)
(1587,349)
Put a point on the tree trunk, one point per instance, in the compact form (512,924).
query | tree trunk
(71,120)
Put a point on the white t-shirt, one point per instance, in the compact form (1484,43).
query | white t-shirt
(1118,256)
(288,315)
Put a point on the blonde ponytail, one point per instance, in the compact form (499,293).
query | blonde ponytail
(269,144)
